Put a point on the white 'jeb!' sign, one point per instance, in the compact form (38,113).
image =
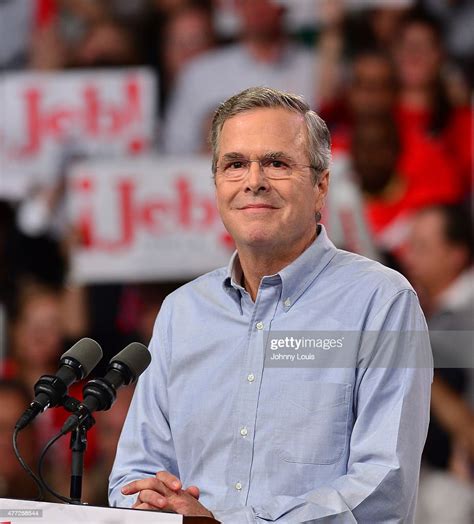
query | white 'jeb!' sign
(43,116)
(146,220)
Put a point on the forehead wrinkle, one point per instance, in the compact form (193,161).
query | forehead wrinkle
(261,137)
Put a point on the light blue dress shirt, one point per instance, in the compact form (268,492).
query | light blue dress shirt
(291,444)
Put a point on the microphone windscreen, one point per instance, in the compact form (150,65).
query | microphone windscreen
(87,352)
(135,356)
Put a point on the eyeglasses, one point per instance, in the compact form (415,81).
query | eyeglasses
(272,168)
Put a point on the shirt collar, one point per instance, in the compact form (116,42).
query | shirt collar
(294,278)
(233,278)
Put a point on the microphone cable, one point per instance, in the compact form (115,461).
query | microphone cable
(42,480)
(27,468)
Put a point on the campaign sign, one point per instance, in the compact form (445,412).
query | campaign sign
(46,116)
(145,220)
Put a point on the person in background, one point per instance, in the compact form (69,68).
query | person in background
(431,126)
(262,56)
(108,43)
(14,482)
(329,51)
(439,258)
(17,22)
(344,213)
(439,261)
(371,90)
(61,24)
(392,191)
(80,33)
(38,336)
(185,34)
(370,95)
(384,21)
(457,20)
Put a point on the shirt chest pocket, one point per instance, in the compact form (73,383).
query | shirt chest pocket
(312,426)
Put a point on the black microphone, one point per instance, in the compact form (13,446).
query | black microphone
(100,393)
(75,364)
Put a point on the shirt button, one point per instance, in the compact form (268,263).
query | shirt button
(251,377)
(238,486)
(287,302)
(244,432)
(259,325)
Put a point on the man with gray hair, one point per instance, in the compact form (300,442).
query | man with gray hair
(262,402)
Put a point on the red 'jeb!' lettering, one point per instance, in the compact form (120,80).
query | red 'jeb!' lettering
(185,210)
(91,116)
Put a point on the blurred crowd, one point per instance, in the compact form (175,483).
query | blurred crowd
(393,80)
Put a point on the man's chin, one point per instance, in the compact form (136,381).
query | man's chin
(257,240)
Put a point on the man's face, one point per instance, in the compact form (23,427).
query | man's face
(38,333)
(187,35)
(429,258)
(373,89)
(374,153)
(263,213)
(418,56)
(260,18)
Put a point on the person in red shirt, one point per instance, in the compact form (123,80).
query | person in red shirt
(393,189)
(398,171)
(430,125)
(37,339)
(371,91)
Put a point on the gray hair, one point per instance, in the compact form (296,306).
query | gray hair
(319,138)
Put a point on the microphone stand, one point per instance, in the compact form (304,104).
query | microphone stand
(78,446)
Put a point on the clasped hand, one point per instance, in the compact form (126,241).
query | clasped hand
(164,491)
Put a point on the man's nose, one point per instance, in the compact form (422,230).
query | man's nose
(256,180)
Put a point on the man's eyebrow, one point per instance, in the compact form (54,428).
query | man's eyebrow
(233,156)
(276,155)
(270,155)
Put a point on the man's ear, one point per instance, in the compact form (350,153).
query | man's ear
(323,187)
(323,182)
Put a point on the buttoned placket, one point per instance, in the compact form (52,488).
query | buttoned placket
(260,315)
